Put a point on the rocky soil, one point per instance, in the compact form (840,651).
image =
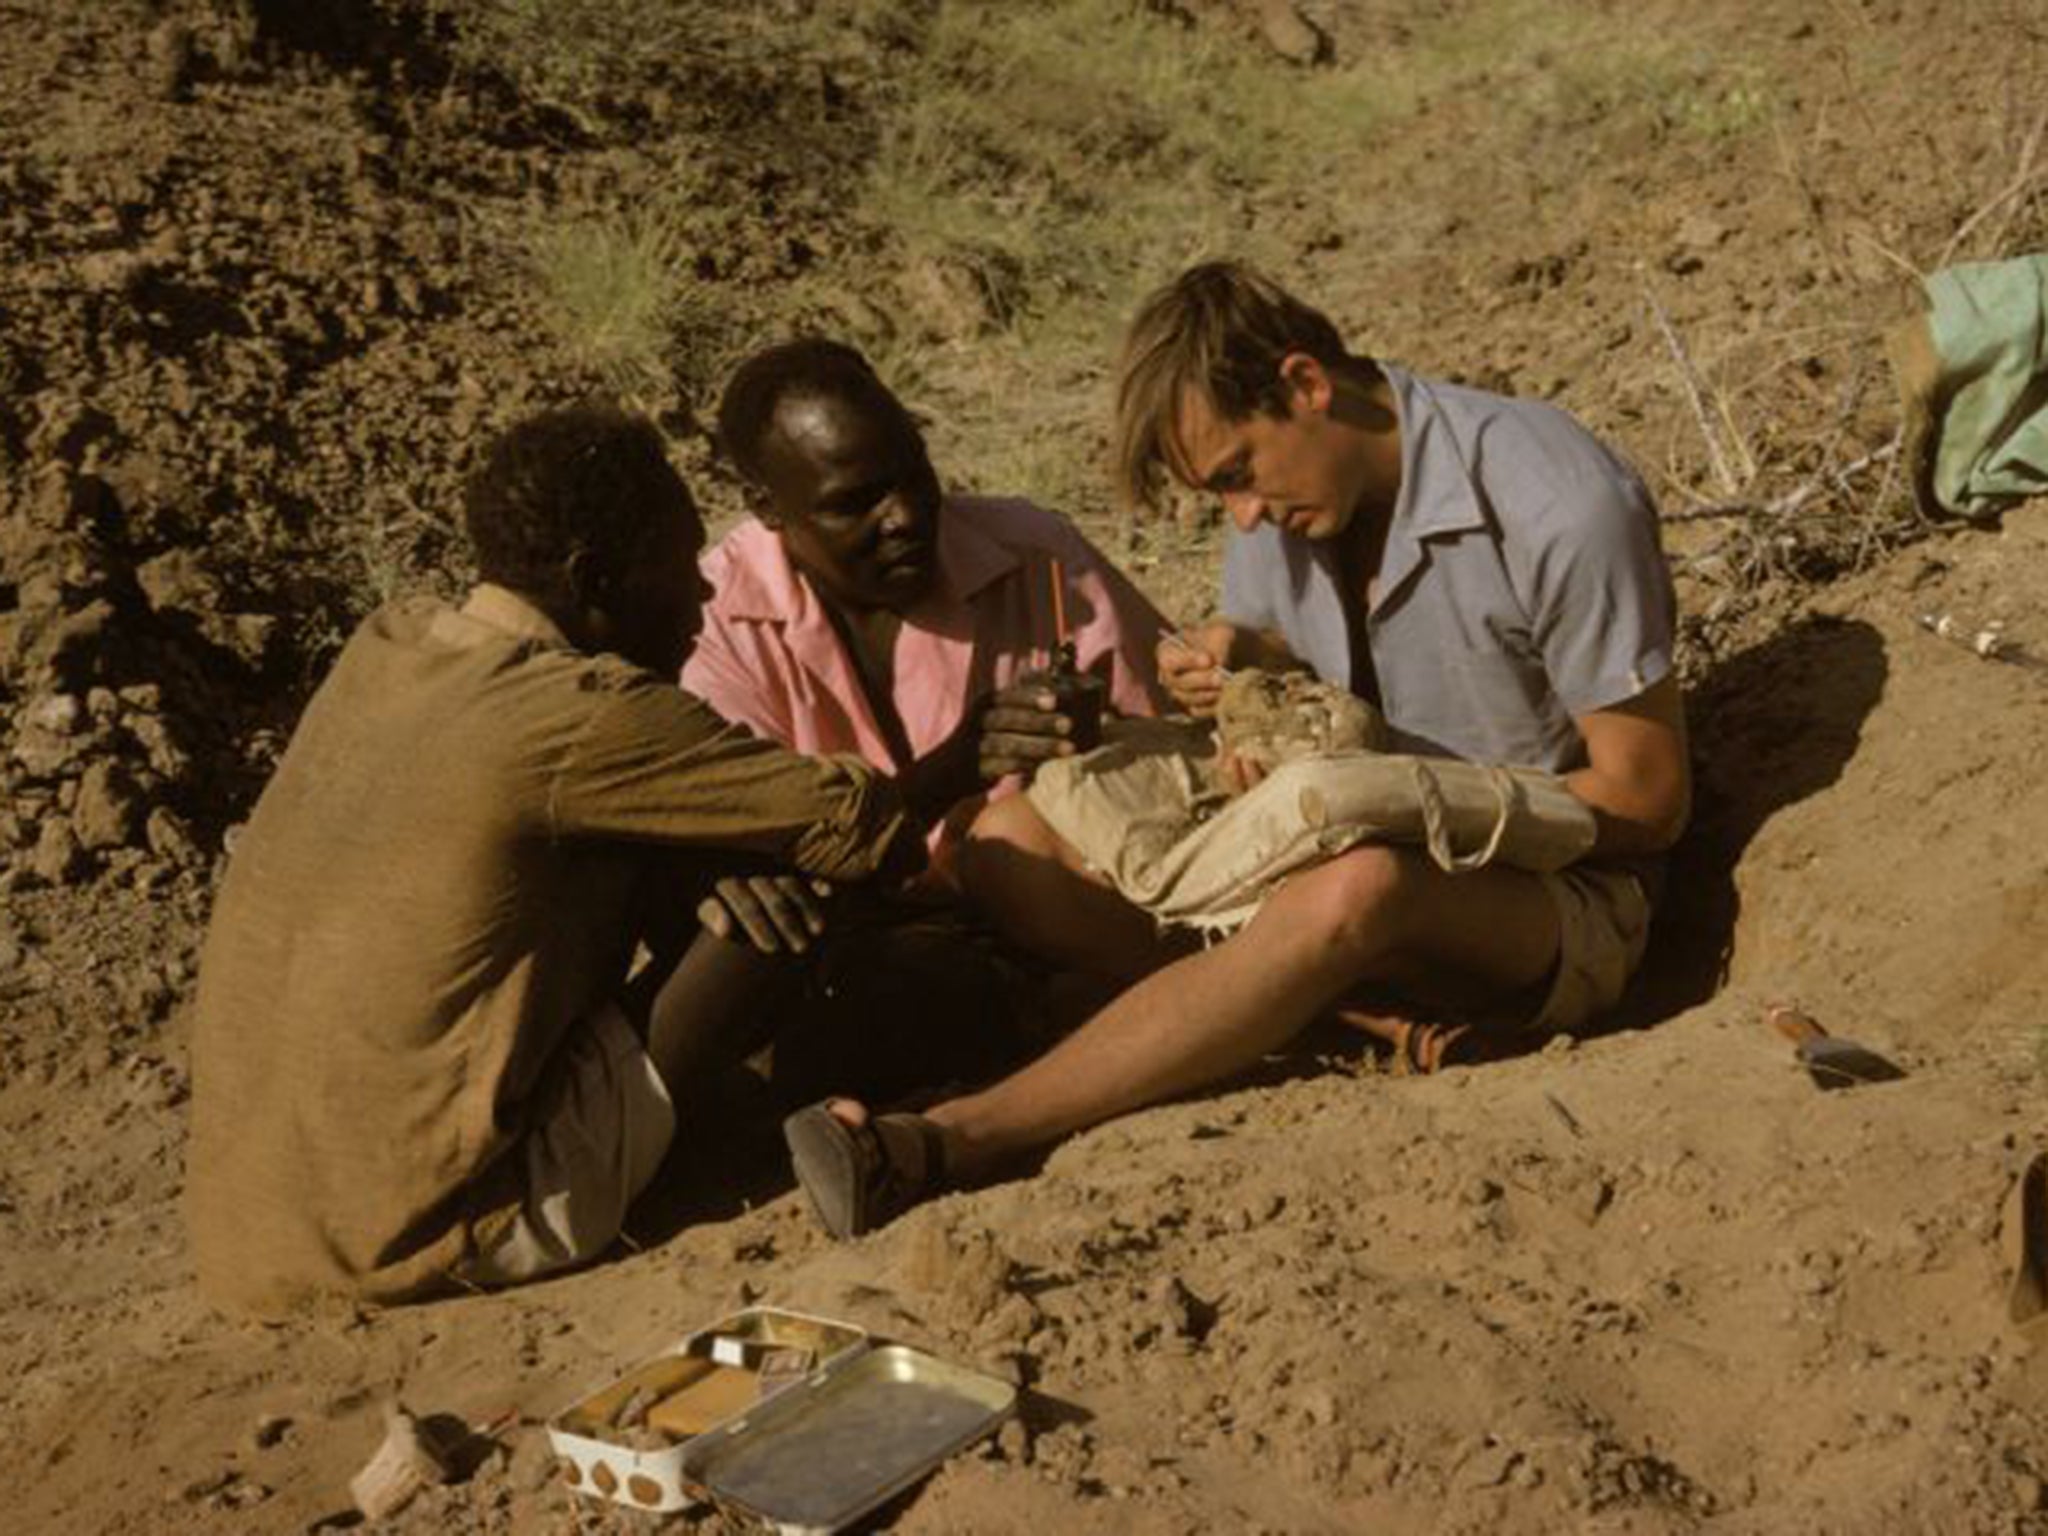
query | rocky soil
(260,299)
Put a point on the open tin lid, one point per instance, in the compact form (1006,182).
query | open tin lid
(821,1453)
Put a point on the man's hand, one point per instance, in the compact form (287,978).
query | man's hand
(776,914)
(1192,662)
(1011,730)
(1020,727)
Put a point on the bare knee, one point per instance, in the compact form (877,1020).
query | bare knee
(1013,821)
(1355,904)
(1009,840)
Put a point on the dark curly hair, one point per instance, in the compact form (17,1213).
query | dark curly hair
(581,479)
(810,367)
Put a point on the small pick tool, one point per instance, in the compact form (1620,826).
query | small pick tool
(1830,1062)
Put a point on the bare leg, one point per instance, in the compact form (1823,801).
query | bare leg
(715,1007)
(1374,914)
(1040,895)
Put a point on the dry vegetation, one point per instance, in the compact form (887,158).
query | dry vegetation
(976,192)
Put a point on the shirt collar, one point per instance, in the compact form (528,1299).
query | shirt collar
(503,609)
(971,557)
(1431,456)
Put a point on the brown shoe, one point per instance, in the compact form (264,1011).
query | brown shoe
(861,1177)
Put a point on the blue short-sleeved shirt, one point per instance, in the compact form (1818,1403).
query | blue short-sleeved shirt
(1522,582)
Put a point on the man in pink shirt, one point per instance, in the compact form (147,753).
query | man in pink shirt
(862,610)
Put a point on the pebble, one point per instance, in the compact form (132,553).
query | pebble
(60,714)
(2028,1492)
(1013,1443)
(271,1430)
(57,856)
(1488,1466)
(107,812)
(169,838)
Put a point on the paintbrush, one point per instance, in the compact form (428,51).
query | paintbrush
(1064,663)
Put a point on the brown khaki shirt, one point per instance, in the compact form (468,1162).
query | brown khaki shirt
(439,882)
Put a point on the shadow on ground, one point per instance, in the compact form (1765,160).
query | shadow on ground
(1772,726)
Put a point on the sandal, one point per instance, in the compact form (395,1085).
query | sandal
(1418,1047)
(860,1177)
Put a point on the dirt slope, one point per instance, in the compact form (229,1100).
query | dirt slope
(258,302)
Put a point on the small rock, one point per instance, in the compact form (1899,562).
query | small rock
(169,838)
(409,1459)
(1013,1443)
(980,1275)
(59,714)
(250,635)
(1488,1466)
(271,1430)
(201,1488)
(57,856)
(170,60)
(1319,1406)
(1187,1316)
(2028,1492)
(178,579)
(46,754)
(1702,232)
(1292,35)
(108,811)
(150,733)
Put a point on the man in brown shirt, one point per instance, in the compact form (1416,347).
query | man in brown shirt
(417,1060)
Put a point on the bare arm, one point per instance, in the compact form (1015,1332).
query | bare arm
(1638,775)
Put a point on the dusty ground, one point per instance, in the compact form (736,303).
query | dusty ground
(256,308)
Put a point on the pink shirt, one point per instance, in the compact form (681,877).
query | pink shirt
(770,658)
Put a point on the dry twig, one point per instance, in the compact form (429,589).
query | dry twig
(1792,501)
(2023,180)
(1695,395)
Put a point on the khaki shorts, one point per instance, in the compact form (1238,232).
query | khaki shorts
(603,1122)
(1603,923)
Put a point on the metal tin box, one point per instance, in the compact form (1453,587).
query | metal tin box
(797,1421)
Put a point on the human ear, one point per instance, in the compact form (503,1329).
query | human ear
(1307,383)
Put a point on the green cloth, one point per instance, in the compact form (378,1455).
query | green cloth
(1989,328)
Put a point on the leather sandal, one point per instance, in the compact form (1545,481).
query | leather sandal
(861,1177)
(1418,1047)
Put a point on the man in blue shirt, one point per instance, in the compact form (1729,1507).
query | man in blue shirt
(1484,571)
